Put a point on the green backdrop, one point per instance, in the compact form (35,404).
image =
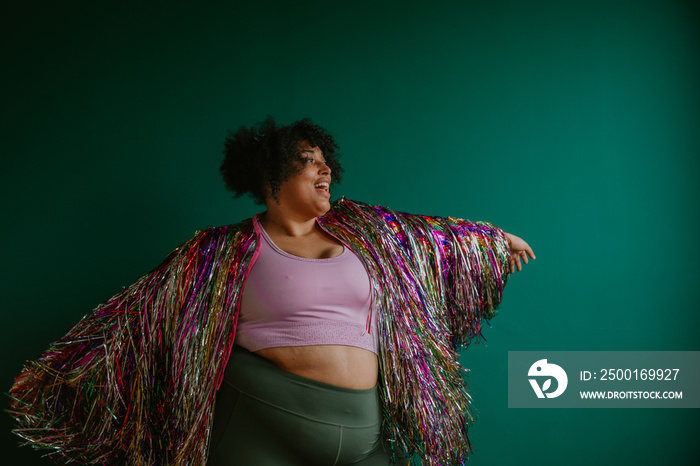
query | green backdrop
(574,124)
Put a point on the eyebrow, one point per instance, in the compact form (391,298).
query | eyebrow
(309,151)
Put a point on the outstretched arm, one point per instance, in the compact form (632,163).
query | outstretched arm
(133,382)
(519,251)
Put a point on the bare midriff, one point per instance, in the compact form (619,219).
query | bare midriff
(339,365)
(343,366)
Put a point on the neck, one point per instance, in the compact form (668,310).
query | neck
(279,221)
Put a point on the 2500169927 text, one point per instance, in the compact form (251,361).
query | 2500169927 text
(631,374)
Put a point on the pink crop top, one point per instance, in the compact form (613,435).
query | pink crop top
(294,301)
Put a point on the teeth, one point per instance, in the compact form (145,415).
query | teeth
(321,185)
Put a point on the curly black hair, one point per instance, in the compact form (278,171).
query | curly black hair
(266,155)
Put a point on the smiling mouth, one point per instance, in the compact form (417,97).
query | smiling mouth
(323,187)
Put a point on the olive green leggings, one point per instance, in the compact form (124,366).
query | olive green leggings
(265,416)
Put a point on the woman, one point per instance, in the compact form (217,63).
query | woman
(326,334)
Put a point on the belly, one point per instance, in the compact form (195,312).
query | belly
(343,366)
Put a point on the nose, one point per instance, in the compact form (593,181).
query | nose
(324,169)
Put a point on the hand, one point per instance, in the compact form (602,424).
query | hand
(519,251)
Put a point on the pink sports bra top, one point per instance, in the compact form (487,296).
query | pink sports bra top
(295,301)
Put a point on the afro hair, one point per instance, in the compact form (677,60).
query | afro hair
(266,155)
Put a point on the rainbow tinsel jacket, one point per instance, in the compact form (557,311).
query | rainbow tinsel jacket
(134,381)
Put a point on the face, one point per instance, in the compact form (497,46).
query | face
(307,192)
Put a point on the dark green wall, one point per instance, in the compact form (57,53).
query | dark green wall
(571,123)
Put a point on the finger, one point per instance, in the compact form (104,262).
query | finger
(524,256)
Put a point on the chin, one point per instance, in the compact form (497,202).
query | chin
(323,210)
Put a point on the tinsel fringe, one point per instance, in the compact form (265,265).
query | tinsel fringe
(134,381)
